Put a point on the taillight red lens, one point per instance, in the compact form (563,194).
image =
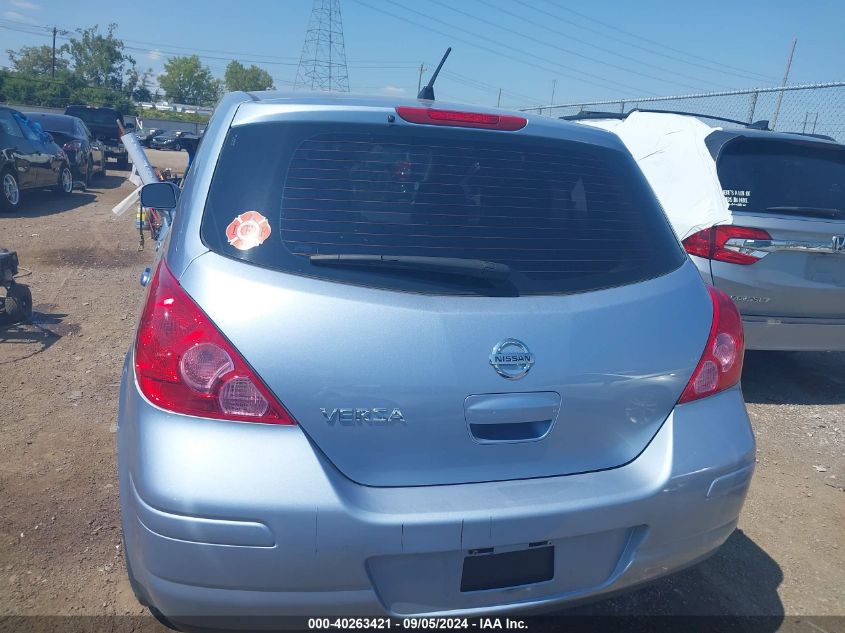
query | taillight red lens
(720,366)
(711,243)
(433,116)
(185,365)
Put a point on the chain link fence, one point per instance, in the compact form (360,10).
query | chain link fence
(808,108)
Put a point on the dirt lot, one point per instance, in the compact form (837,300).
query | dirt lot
(60,544)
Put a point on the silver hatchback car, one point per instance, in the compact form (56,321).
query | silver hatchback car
(404,358)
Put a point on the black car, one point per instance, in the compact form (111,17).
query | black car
(85,154)
(103,124)
(172,139)
(145,135)
(29,159)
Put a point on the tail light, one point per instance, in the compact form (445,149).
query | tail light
(454,118)
(720,366)
(725,243)
(185,365)
(72,146)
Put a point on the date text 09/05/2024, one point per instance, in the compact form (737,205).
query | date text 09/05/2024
(417,623)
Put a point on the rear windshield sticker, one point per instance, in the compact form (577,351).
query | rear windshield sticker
(737,197)
(248,230)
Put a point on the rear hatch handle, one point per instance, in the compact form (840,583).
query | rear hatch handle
(511,417)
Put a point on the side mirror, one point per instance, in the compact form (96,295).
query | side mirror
(159,195)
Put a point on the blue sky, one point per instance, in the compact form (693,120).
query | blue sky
(606,49)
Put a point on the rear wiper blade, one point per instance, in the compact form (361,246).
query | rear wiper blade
(478,268)
(813,212)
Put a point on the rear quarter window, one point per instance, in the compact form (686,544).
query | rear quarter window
(564,216)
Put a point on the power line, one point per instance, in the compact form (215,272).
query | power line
(571,37)
(719,66)
(650,41)
(471,81)
(17,76)
(560,48)
(211,57)
(605,85)
(240,56)
(520,51)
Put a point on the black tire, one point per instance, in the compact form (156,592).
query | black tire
(123,162)
(10,191)
(178,147)
(89,172)
(18,303)
(64,183)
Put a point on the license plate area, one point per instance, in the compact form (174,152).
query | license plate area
(486,571)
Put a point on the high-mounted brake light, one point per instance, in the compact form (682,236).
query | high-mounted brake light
(726,243)
(434,116)
(185,365)
(720,366)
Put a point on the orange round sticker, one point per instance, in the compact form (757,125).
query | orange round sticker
(248,230)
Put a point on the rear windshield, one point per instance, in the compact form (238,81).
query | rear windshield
(96,116)
(563,216)
(760,175)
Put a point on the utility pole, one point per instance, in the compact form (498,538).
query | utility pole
(554,85)
(785,78)
(53,67)
(419,81)
(499,100)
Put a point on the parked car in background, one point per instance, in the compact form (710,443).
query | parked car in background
(29,159)
(468,362)
(171,139)
(102,122)
(145,135)
(85,154)
(774,238)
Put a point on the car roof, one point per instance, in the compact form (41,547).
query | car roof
(726,134)
(779,136)
(65,122)
(52,115)
(717,140)
(539,125)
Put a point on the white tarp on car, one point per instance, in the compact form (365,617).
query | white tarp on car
(670,150)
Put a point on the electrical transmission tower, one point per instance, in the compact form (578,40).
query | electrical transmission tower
(322,65)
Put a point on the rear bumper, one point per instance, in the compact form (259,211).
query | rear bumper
(226,519)
(799,335)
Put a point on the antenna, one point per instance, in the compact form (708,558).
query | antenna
(322,65)
(428,90)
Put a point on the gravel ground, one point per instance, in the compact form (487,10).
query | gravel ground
(60,543)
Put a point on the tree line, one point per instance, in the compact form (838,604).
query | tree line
(94,68)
